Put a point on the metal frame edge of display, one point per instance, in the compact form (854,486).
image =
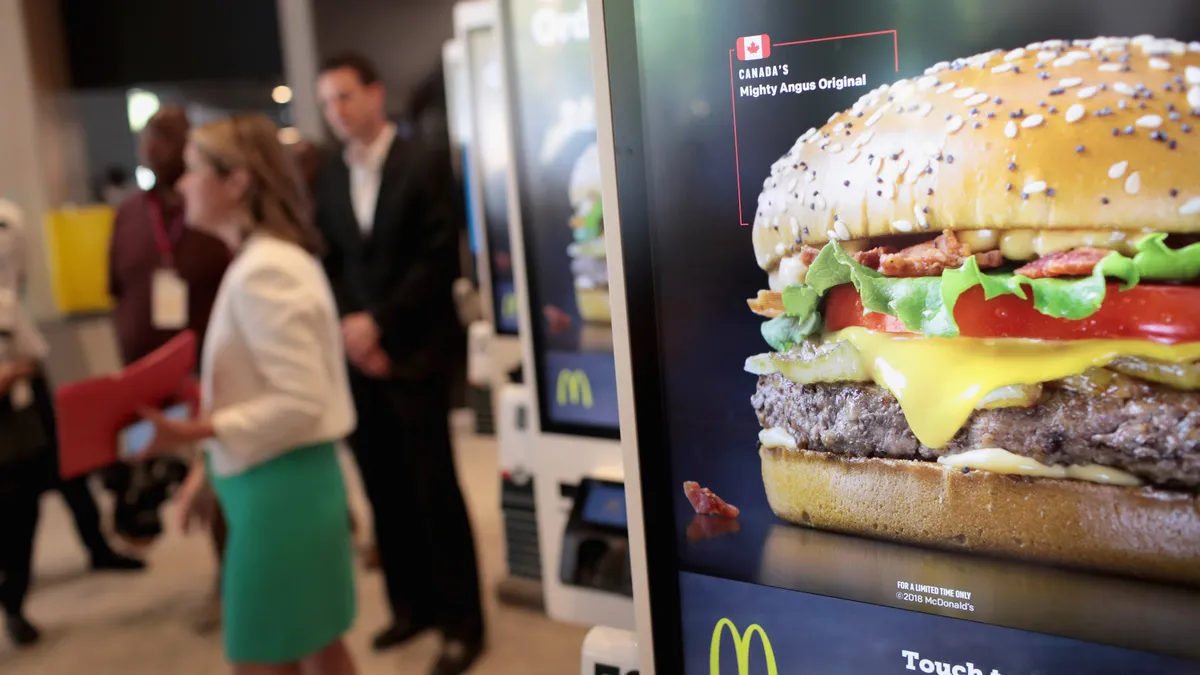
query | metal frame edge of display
(656,595)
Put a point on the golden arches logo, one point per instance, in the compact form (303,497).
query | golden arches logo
(574,388)
(741,646)
(508,305)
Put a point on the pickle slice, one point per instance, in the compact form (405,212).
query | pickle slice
(1185,376)
(811,362)
(1013,396)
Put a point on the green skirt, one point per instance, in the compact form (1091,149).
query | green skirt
(287,588)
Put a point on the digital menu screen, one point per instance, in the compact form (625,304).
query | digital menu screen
(491,134)
(562,219)
(915,330)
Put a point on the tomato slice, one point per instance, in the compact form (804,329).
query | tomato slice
(1163,314)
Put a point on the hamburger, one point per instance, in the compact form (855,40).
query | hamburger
(983,311)
(589,260)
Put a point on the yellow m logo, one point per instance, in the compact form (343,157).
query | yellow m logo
(574,388)
(508,305)
(741,645)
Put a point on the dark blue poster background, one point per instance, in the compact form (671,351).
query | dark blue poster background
(815,635)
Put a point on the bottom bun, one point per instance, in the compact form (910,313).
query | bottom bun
(593,305)
(1142,532)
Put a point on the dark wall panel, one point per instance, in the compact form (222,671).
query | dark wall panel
(117,43)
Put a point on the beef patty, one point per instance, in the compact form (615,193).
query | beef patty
(1155,437)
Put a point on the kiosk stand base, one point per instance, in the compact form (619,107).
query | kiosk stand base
(610,651)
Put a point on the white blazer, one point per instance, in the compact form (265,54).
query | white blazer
(273,372)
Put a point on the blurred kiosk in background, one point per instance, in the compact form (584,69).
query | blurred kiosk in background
(735,134)
(495,350)
(561,279)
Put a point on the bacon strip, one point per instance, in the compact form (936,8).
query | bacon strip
(706,503)
(932,258)
(808,254)
(1077,262)
(768,304)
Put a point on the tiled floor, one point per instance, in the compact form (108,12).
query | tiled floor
(140,624)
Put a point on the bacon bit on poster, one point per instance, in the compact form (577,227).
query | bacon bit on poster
(1074,263)
(557,321)
(768,304)
(706,503)
(711,527)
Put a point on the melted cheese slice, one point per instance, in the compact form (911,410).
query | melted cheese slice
(938,381)
(999,460)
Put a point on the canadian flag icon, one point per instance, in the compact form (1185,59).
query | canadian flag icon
(754,47)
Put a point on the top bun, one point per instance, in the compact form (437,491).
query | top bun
(1096,134)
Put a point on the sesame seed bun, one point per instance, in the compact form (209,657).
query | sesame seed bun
(1141,532)
(1032,138)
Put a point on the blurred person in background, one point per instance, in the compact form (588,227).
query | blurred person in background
(275,400)
(392,259)
(22,438)
(115,187)
(154,254)
(26,396)
(22,441)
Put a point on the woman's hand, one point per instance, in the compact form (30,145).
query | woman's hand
(171,434)
(195,501)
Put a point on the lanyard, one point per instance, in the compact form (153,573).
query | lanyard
(165,237)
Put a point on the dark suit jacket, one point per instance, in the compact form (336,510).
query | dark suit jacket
(402,271)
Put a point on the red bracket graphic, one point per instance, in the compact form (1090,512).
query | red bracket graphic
(733,96)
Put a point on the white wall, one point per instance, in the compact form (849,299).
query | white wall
(41,149)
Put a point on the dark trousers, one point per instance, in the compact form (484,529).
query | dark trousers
(75,491)
(20,489)
(422,529)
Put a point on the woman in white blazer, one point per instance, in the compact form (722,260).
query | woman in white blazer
(275,400)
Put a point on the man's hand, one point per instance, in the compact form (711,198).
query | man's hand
(11,372)
(376,365)
(7,377)
(361,335)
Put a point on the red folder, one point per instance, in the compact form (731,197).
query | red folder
(91,413)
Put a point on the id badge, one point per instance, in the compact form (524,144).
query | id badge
(169,301)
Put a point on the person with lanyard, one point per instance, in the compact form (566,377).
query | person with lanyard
(163,277)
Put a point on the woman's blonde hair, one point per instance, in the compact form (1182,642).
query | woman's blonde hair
(275,197)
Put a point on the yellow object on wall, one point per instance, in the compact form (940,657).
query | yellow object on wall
(77,245)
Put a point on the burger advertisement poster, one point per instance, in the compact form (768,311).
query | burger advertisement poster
(562,219)
(487,93)
(928,296)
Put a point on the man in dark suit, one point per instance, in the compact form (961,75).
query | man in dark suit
(384,207)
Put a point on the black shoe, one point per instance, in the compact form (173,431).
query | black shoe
(457,657)
(397,634)
(115,562)
(21,632)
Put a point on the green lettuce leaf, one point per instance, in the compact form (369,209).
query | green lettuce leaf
(784,331)
(926,304)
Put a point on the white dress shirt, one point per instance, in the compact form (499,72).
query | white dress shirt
(273,372)
(366,170)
